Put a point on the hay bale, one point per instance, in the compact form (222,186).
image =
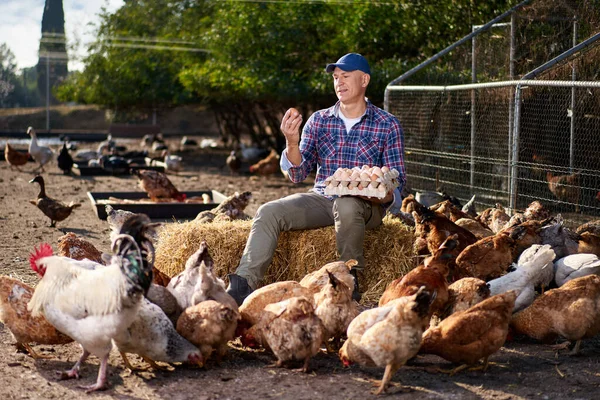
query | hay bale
(388,251)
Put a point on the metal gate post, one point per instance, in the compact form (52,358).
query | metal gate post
(514,159)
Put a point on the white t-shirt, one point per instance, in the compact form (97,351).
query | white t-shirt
(350,122)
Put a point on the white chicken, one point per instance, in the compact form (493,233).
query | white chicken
(533,268)
(575,266)
(41,154)
(93,306)
(152,336)
(182,286)
(209,286)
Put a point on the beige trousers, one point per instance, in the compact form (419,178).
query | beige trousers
(351,216)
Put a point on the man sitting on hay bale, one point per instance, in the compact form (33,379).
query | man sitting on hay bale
(352,133)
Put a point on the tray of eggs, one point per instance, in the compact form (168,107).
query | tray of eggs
(362,181)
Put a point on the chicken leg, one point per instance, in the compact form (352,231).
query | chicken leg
(101,381)
(74,372)
(32,352)
(390,370)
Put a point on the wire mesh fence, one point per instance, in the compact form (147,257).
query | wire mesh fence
(505,140)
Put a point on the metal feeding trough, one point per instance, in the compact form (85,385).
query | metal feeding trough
(85,170)
(127,201)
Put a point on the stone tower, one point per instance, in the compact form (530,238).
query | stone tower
(53,49)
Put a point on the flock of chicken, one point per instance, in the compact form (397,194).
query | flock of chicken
(472,289)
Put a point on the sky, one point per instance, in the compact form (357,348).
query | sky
(21,25)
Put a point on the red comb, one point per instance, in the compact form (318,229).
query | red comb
(45,250)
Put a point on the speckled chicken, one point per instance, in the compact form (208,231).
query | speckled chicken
(53,209)
(317,280)
(14,296)
(468,336)
(387,336)
(254,305)
(336,309)
(229,209)
(152,336)
(158,186)
(209,325)
(15,158)
(116,219)
(291,330)
(571,311)
(69,245)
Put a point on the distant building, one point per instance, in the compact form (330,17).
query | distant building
(53,50)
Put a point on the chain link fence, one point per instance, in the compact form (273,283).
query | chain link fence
(507,140)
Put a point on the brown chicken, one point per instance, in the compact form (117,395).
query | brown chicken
(15,158)
(571,311)
(451,212)
(209,325)
(53,209)
(254,305)
(408,204)
(317,280)
(468,336)
(495,218)
(158,186)
(387,336)
(565,187)
(69,245)
(267,166)
(464,294)
(291,330)
(432,275)
(589,243)
(336,309)
(14,296)
(490,257)
(475,227)
(591,227)
(435,229)
(525,240)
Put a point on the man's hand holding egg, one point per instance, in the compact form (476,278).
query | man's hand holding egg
(290,127)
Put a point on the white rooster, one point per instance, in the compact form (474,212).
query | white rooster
(575,266)
(41,154)
(534,268)
(93,306)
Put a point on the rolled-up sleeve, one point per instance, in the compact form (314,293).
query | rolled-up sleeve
(308,150)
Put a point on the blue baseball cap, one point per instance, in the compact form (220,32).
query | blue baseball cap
(350,62)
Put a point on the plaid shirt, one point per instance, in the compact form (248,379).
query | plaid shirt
(377,139)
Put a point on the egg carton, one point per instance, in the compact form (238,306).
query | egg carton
(364,181)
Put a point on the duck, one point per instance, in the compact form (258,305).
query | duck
(53,209)
(114,164)
(187,143)
(41,154)
(15,158)
(65,161)
(173,163)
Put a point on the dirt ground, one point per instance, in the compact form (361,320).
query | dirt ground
(524,369)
